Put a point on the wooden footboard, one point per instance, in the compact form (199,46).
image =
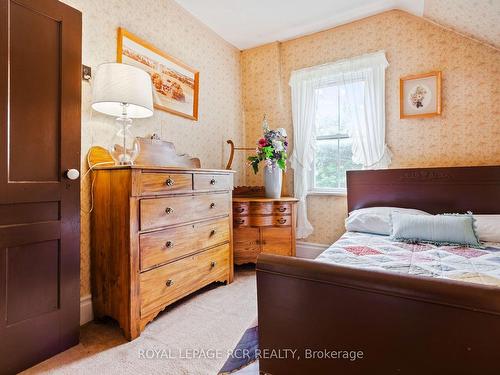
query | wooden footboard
(317,318)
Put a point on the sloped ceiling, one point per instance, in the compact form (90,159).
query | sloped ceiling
(479,19)
(250,23)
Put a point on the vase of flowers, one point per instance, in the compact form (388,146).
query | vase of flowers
(272,150)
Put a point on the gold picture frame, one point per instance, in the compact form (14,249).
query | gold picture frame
(175,84)
(420,95)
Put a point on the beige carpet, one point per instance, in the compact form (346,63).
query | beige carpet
(212,321)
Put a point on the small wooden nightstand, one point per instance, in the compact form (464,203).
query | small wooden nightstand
(263,225)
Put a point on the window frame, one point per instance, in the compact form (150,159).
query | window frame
(338,191)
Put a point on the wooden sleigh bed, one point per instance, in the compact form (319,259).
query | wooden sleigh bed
(403,324)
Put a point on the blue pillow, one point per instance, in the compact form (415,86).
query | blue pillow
(447,229)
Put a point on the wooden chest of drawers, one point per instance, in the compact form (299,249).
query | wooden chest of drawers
(158,234)
(263,225)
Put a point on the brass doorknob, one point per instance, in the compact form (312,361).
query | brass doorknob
(169,210)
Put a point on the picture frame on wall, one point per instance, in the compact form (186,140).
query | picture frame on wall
(175,84)
(420,95)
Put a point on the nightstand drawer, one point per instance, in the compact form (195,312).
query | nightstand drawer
(215,182)
(241,221)
(164,183)
(169,244)
(240,209)
(282,220)
(282,209)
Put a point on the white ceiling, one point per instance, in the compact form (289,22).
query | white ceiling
(249,23)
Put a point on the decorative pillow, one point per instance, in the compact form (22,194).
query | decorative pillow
(375,220)
(447,229)
(488,227)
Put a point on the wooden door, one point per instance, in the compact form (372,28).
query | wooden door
(40,70)
(246,244)
(277,240)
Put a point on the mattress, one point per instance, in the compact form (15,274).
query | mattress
(376,252)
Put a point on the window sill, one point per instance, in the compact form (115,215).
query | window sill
(335,193)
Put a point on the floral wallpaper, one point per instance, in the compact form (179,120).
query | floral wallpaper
(467,132)
(477,18)
(169,27)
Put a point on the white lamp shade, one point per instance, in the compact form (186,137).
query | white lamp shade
(116,84)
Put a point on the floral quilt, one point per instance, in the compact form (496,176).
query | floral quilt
(375,252)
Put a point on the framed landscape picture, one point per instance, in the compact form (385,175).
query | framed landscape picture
(175,84)
(420,95)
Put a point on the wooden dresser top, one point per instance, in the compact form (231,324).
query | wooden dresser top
(264,199)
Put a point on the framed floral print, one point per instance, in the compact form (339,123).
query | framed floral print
(420,95)
(175,84)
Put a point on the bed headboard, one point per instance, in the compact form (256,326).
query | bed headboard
(435,190)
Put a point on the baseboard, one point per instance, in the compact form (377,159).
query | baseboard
(86,313)
(309,250)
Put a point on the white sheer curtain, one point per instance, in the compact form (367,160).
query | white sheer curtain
(368,108)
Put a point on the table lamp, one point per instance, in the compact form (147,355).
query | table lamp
(123,91)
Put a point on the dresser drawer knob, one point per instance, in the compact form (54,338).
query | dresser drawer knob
(169,182)
(213,232)
(282,221)
(240,210)
(169,210)
(213,181)
(282,209)
(169,244)
(239,221)
(212,205)
(213,263)
(169,282)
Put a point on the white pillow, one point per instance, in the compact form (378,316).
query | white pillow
(488,227)
(376,220)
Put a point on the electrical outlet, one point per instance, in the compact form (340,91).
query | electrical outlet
(86,73)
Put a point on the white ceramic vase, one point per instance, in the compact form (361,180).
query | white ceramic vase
(273,179)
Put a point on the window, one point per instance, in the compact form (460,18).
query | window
(334,116)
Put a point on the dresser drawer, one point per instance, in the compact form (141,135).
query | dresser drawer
(164,183)
(169,244)
(282,209)
(168,283)
(241,221)
(216,182)
(240,208)
(159,212)
(261,208)
(210,205)
(282,220)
